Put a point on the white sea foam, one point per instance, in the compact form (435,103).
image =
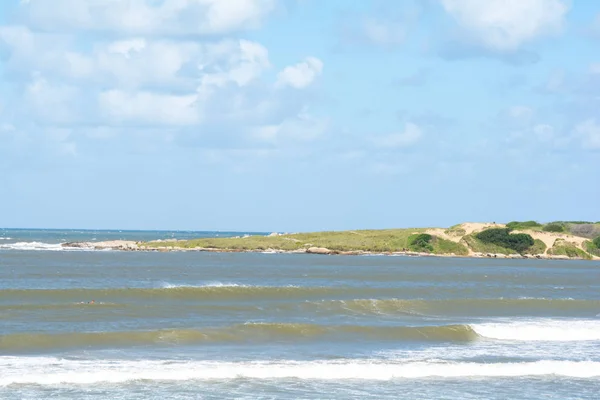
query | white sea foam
(41,371)
(5,238)
(541,330)
(41,246)
(32,246)
(494,350)
(208,284)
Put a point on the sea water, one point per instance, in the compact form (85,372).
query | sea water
(195,325)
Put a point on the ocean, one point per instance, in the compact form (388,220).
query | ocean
(82,324)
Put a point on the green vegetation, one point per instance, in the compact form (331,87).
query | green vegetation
(523,225)
(234,244)
(391,240)
(420,242)
(443,246)
(502,237)
(592,247)
(456,230)
(491,240)
(538,247)
(367,240)
(364,240)
(479,246)
(554,227)
(564,248)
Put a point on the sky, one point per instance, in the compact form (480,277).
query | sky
(297,115)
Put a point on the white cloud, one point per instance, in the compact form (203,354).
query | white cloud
(173,17)
(544,132)
(149,108)
(384,33)
(383,24)
(7,128)
(137,62)
(520,112)
(127,75)
(22,46)
(59,140)
(127,47)
(505,25)
(595,68)
(595,26)
(302,128)
(302,74)
(556,82)
(103,69)
(589,133)
(411,135)
(419,78)
(52,102)
(239,62)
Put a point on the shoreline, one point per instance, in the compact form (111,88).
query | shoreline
(469,240)
(133,246)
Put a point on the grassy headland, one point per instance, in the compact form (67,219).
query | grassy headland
(388,240)
(554,240)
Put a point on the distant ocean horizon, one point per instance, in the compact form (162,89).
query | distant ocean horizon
(51,239)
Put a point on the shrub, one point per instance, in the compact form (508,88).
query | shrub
(516,225)
(585,230)
(553,227)
(442,246)
(596,242)
(592,248)
(564,248)
(502,237)
(420,242)
(480,247)
(520,241)
(455,231)
(538,247)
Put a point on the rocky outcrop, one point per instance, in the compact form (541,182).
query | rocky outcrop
(319,250)
(124,245)
(77,245)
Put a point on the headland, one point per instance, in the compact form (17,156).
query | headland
(529,239)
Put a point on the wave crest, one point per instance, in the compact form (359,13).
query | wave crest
(541,330)
(248,332)
(30,246)
(53,371)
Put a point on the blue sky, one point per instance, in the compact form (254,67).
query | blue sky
(296,115)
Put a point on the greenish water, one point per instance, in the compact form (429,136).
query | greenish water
(211,325)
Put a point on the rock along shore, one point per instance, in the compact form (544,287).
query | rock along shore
(126,245)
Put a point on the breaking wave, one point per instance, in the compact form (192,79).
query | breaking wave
(541,330)
(248,332)
(463,307)
(30,246)
(551,330)
(49,371)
